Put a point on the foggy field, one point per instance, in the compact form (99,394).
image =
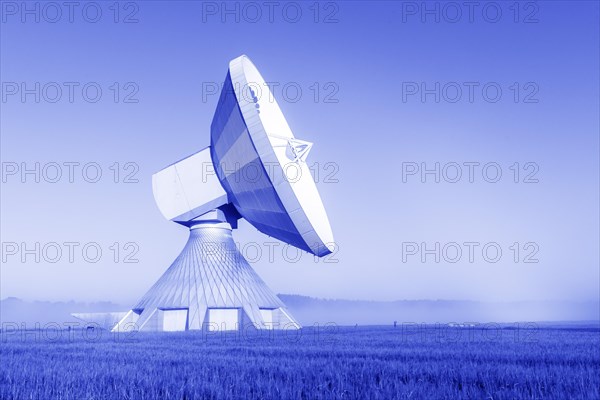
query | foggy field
(335,362)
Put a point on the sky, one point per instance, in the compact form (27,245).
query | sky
(455,149)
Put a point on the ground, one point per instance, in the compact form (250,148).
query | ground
(407,362)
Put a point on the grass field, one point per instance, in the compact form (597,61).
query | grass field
(335,362)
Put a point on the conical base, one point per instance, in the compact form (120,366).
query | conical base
(209,286)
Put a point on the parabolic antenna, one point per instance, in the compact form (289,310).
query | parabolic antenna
(254,169)
(261,165)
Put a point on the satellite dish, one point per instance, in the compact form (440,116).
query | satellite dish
(254,169)
(250,139)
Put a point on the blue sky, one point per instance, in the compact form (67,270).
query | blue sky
(366,125)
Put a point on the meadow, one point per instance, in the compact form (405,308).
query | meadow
(406,362)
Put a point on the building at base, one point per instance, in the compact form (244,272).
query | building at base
(210,286)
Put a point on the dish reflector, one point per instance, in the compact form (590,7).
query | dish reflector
(261,165)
